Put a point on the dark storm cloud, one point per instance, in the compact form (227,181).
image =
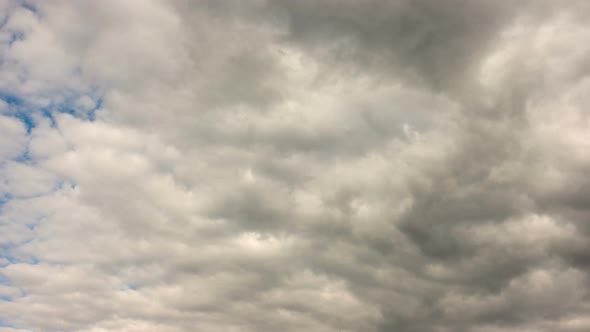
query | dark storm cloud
(440,44)
(435,42)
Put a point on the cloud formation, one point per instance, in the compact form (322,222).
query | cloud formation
(408,166)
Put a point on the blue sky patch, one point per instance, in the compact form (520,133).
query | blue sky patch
(12,100)
(5,197)
(26,119)
(5,324)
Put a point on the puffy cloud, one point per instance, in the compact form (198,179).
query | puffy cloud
(13,138)
(294,165)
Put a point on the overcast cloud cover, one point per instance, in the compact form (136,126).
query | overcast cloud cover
(295,165)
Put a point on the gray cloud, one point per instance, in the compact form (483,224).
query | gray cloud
(294,165)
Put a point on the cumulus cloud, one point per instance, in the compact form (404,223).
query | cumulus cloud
(411,166)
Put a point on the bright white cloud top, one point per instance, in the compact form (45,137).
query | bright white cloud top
(279,165)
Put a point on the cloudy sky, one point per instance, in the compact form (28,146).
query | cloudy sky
(295,165)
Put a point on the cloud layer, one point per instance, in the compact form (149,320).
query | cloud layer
(408,166)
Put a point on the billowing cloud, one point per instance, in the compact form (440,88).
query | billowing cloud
(411,166)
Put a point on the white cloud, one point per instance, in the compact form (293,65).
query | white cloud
(13,137)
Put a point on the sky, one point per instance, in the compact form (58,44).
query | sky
(295,165)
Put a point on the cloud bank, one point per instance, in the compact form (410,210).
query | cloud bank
(265,165)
